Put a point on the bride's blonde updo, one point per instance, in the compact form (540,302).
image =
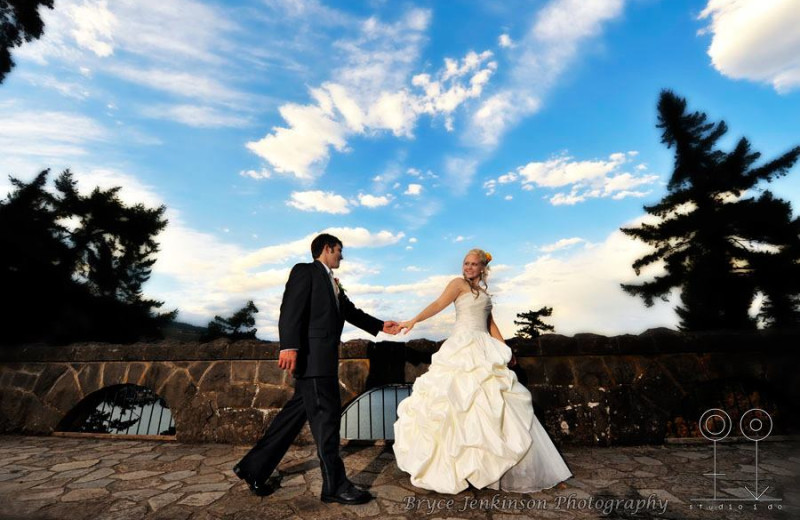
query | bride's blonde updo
(485,258)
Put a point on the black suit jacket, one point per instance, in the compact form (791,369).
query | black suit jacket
(311,322)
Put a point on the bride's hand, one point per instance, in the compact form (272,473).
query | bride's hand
(407,325)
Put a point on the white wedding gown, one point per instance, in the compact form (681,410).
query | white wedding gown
(469,420)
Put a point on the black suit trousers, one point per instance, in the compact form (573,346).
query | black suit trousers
(315,399)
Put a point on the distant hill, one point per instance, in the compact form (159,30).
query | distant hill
(182,331)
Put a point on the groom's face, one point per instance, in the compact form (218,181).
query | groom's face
(333,256)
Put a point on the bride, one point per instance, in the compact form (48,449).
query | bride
(468,419)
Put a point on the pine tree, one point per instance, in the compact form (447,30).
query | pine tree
(74,265)
(706,229)
(531,324)
(35,265)
(239,326)
(20,21)
(775,261)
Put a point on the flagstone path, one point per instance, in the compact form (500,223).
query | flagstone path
(54,478)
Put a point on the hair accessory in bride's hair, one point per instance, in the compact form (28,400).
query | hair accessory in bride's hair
(488,257)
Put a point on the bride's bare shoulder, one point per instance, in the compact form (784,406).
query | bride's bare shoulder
(459,283)
(457,287)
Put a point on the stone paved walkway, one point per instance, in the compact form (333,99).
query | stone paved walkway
(75,479)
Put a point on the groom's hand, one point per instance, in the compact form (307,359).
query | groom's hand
(391,327)
(287,360)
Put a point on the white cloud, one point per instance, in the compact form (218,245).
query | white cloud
(196,116)
(133,191)
(157,31)
(582,285)
(277,254)
(509,177)
(568,199)
(47,135)
(95,26)
(562,244)
(413,189)
(444,93)
(366,94)
(566,22)
(354,117)
(413,240)
(317,200)
(591,302)
(586,179)
(297,249)
(460,171)
(203,275)
(428,174)
(304,9)
(171,47)
(381,56)
(181,83)
(498,113)
(361,237)
(504,40)
(371,201)
(625,181)
(183,28)
(65,88)
(564,171)
(584,291)
(387,180)
(551,45)
(756,40)
(393,111)
(256,174)
(629,193)
(302,148)
(373,92)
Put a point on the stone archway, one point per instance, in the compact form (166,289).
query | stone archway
(125,409)
(57,388)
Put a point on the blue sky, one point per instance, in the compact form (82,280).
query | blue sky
(412,130)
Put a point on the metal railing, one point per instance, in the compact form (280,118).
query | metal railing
(121,410)
(373,414)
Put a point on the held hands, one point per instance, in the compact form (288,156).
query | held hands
(394,328)
(391,327)
(407,325)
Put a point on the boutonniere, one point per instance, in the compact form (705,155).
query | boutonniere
(339,285)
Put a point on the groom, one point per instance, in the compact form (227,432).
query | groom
(313,312)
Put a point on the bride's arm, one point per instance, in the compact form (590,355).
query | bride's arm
(451,292)
(494,331)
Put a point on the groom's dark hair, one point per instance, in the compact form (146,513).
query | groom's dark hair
(319,243)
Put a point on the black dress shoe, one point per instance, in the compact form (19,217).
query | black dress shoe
(261,489)
(350,496)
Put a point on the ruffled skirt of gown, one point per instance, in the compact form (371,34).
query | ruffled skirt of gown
(469,420)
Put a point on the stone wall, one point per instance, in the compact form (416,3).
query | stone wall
(587,389)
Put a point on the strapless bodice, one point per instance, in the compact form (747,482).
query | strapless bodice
(472,313)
